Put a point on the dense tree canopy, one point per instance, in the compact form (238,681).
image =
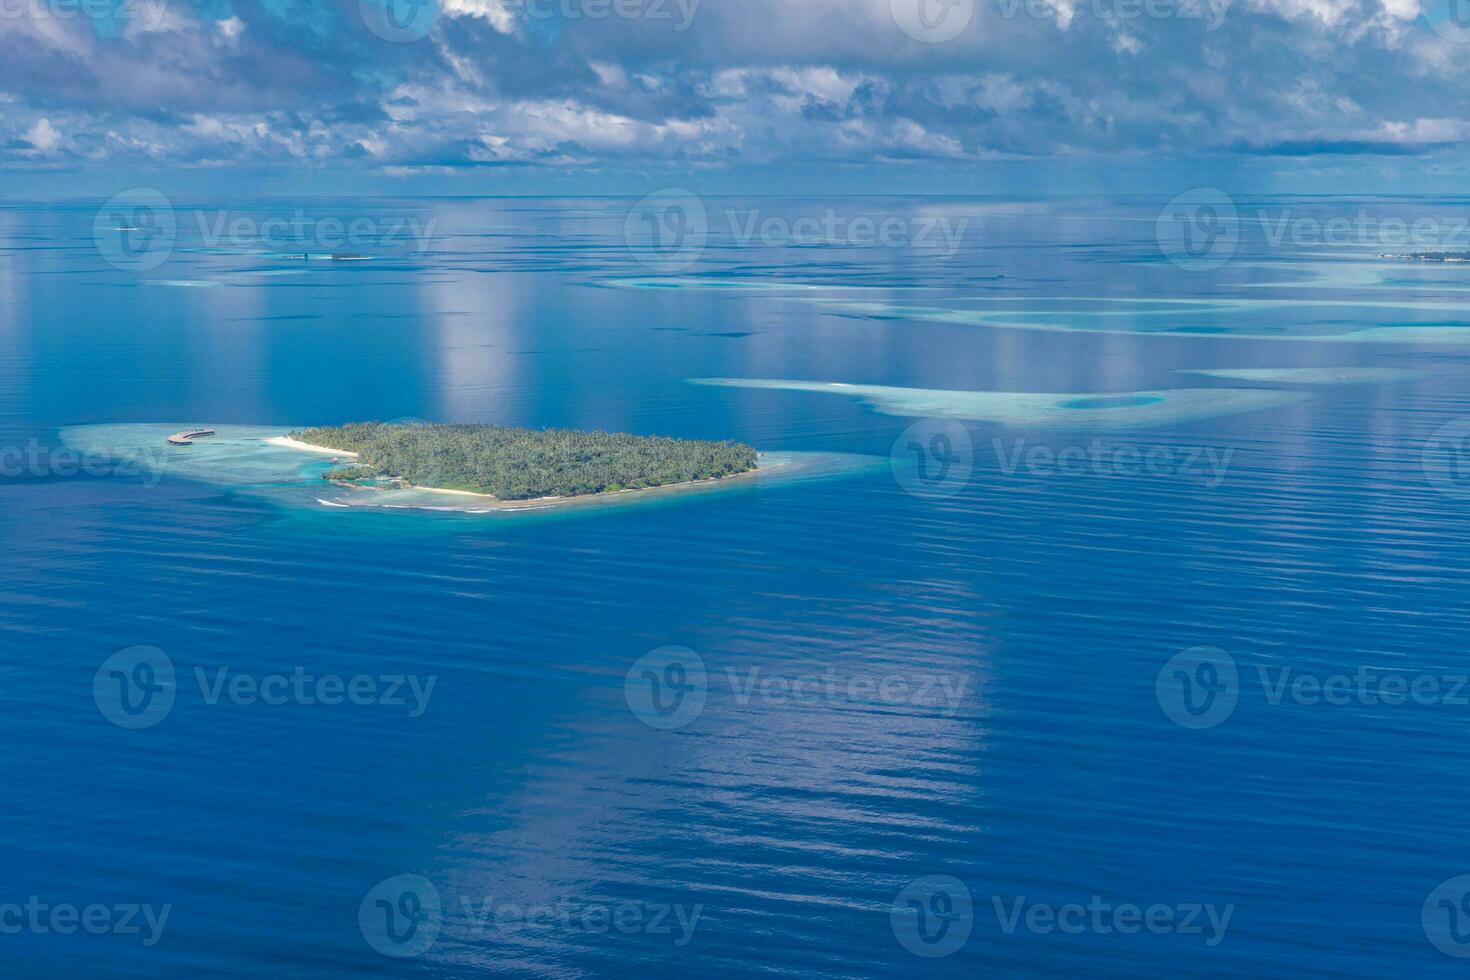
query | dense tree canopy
(525,464)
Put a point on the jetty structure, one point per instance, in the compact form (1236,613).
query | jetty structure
(187,438)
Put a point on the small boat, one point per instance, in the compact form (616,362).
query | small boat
(187,438)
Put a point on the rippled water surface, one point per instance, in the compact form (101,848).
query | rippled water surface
(739,735)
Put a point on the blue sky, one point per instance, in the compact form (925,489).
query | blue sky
(798,96)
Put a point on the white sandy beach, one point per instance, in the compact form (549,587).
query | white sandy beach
(286,442)
(760,468)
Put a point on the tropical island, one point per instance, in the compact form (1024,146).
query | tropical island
(1427,256)
(512,464)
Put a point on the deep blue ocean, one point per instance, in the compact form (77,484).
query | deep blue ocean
(1120,698)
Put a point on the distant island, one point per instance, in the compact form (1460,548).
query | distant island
(1427,256)
(520,464)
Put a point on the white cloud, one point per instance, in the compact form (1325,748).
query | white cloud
(1425,131)
(751,80)
(43,136)
(498,13)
